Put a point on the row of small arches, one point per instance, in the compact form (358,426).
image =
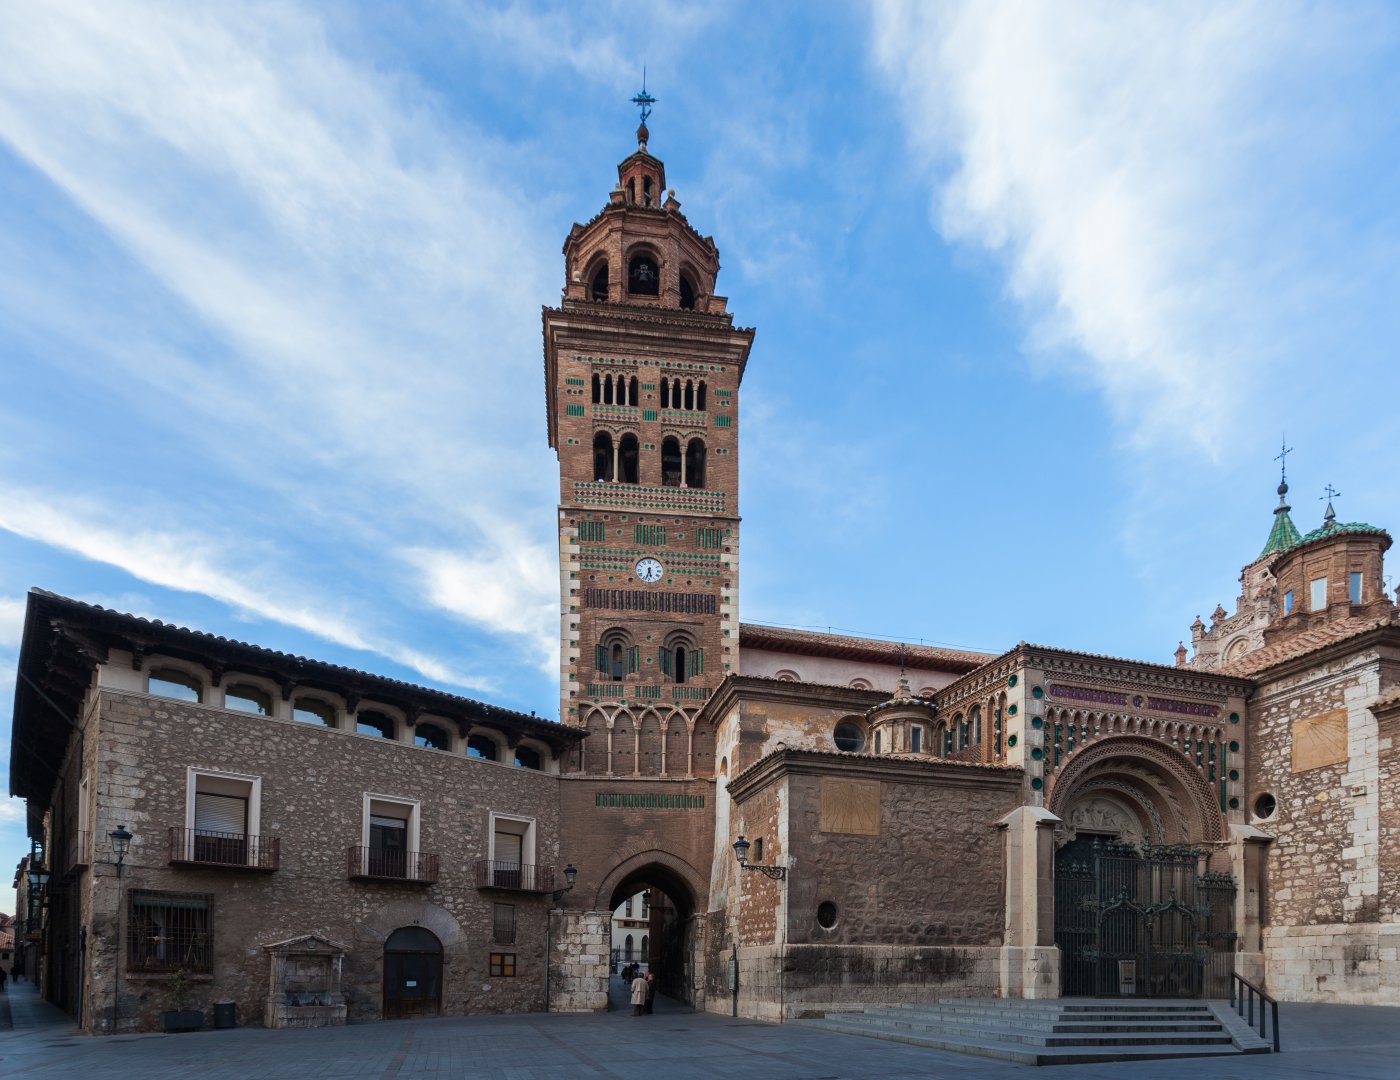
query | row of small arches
(685,394)
(621,461)
(650,746)
(179,684)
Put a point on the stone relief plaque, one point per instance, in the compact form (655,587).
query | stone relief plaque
(851,807)
(1320,740)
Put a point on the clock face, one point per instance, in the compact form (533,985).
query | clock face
(649,569)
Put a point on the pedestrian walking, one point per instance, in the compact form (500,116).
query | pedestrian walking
(2,979)
(639,995)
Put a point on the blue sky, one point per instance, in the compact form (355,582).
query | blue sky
(1037,289)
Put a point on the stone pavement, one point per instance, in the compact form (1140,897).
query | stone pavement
(1353,1042)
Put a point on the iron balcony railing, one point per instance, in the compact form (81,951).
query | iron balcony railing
(389,864)
(518,877)
(224,850)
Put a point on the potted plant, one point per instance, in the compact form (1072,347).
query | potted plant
(181,1018)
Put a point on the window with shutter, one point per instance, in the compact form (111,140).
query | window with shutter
(663,658)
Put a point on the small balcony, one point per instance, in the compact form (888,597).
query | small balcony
(514,876)
(77,853)
(387,864)
(224,850)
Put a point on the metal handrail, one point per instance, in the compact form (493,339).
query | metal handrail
(1238,1001)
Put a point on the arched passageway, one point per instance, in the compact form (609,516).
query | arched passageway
(666,926)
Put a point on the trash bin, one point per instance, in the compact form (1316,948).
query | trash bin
(225,1015)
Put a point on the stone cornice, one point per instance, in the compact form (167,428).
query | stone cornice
(1137,673)
(1385,635)
(940,771)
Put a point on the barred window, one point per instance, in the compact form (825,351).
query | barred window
(503,925)
(503,964)
(170,931)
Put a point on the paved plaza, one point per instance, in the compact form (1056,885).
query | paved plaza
(37,1041)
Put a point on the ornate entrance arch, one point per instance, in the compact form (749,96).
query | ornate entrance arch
(676,933)
(1166,796)
(1136,911)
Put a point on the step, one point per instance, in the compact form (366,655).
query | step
(955,1028)
(1003,1050)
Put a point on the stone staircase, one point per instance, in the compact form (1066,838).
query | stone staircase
(1056,1032)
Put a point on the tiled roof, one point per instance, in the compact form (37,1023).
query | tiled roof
(1305,641)
(1283,535)
(1342,528)
(844,647)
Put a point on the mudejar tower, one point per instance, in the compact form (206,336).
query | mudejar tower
(642,373)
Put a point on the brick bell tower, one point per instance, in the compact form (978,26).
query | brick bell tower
(642,369)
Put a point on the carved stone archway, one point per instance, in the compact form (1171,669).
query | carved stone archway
(1157,783)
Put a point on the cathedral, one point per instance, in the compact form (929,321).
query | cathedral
(817,822)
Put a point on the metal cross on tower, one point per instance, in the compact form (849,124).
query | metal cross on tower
(644,101)
(1332,493)
(1283,460)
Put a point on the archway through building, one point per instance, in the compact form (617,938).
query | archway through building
(654,900)
(1144,905)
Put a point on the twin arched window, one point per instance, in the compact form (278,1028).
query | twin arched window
(682,469)
(620,462)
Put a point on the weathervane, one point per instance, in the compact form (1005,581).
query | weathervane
(1332,493)
(644,101)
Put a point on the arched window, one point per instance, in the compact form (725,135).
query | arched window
(602,456)
(607,390)
(479,746)
(311,710)
(632,191)
(632,398)
(679,660)
(646,955)
(597,389)
(687,293)
(787,675)
(700,397)
(627,459)
(695,464)
(665,393)
(689,394)
(627,948)
(670,461)
(244,698)
(173,683)
(600,283)
(431,737)
(528,758)
(974,719)
(646,191)
(643,276)
(617,661)
(370,722)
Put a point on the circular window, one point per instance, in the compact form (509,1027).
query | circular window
(848,737)
(1266,806)
(826,914)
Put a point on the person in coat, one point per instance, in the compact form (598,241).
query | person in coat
(639,994)
(651,993)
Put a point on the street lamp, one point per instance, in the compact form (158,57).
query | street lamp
(569,874)
(741,852)
(121,844)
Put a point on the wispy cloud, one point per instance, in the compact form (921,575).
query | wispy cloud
(196,563)
(1136,167)
(337,365)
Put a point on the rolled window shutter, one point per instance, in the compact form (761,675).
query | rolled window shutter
(220,813)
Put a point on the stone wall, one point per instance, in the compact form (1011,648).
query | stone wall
(578,961)
(313,784)
(1315,751)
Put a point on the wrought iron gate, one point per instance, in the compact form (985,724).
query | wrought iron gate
(1146,923)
